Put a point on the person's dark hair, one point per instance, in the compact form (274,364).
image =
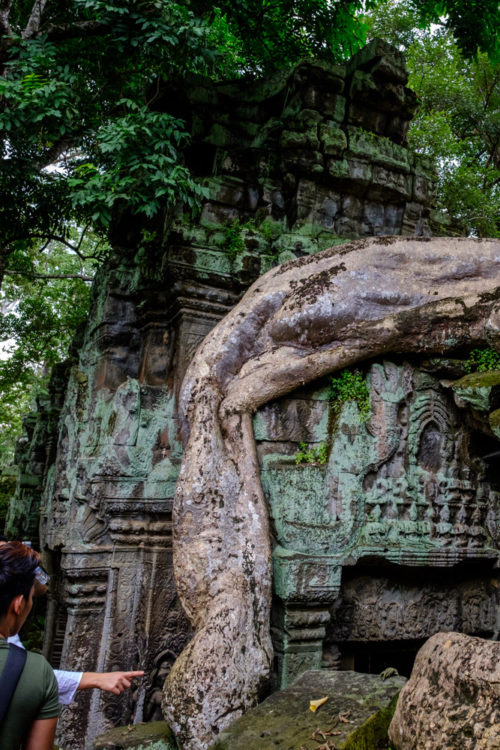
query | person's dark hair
(17,572)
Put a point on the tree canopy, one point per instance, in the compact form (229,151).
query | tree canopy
(43,303)
(457,122)
(80,131)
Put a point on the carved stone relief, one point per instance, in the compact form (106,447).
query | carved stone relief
(405,487)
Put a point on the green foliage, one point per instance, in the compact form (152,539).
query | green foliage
(137,165)
(33,628)
(482,360)
(350,385)
(306,455)
(275,35)
(79,91)
(234,234)
(269,229)
(233,240)
(83,82)
(475,23)
(456,124)
(7,489)
(44,301)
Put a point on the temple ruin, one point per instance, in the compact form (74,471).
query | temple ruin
(390,538)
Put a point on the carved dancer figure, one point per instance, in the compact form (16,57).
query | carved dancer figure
(300,321)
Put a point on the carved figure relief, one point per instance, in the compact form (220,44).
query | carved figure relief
(405,480)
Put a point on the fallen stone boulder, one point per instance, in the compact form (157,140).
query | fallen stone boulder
(155,735)
(452,699)
(356,715)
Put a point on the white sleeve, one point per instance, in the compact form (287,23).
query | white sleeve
(15,640)
(67,684)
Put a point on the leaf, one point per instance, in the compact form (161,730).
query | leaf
(314,705)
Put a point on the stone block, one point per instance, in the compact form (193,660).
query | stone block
(306,119)
(220,135)
(381,55)
(494,422)
(156,735)
(316,204)
(373,218)
(319,72)
(379,149)
(367,117)
(386,183)
(396,128)
(332,138)
(352,207)
(412,219)
(452,699)
(229,190)
(302,577)
(285,719)
(296,139)
(393,215)
(360,171)
(375,608)
(422,188)
(217,214)
(267,133)
(338,169)
(295,243)
(325,101)
(349,227)
(481,390)
(303,162)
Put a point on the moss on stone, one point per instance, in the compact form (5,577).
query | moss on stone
(494,420)
(373,733)
(476,388)
(479,380)
(155,735)
(284,719)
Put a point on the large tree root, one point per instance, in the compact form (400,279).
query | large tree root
(299,322)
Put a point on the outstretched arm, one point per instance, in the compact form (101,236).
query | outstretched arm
(111,682)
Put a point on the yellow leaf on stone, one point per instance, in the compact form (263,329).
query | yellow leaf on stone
(314,705)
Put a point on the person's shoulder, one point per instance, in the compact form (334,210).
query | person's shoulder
(38,662)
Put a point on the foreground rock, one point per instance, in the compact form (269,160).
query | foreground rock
(153,736)
(452,700)
(355,716)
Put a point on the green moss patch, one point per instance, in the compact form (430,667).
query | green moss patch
(359,708)
(155,735)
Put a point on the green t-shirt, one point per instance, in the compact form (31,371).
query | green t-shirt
(35,697)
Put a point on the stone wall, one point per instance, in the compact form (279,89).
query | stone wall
(367,529)
(292,165)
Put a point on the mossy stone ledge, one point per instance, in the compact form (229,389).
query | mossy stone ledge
(359,708)
(155,735)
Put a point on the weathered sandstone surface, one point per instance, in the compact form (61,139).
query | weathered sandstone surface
(452,700)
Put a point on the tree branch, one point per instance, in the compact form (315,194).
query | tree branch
(74,30)
(13,272)
(5,7)
(57,238)
(33,24)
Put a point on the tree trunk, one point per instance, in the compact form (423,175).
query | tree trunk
(300,321)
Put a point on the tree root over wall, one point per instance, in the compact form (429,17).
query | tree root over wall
(298,322)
